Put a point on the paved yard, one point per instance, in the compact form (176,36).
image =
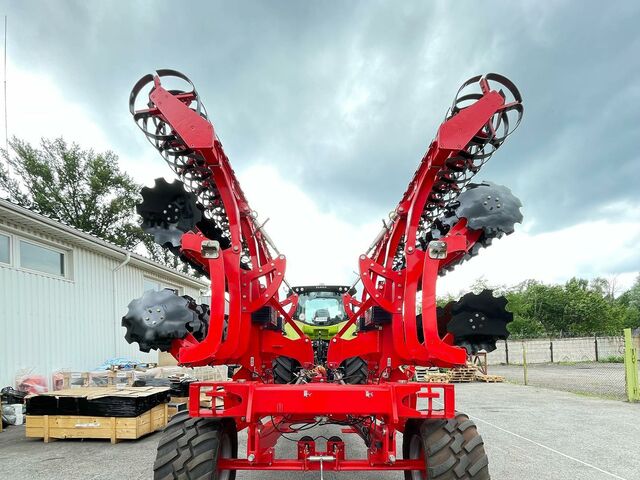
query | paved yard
(530,433)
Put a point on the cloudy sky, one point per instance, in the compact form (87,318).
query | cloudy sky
(325,109)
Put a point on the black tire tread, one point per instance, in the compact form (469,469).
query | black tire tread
(189,448)
(356,371)
(284,369)
(453,449)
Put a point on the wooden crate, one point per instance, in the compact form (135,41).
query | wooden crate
(175,407)
(50,427)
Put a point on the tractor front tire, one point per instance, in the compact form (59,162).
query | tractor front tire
(190,448)
(355,370)
(285,370)
(452,449)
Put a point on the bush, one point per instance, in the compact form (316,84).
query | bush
(612,359)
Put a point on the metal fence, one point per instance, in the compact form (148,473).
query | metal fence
(593,365)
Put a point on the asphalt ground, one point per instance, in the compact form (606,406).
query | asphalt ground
(529,433)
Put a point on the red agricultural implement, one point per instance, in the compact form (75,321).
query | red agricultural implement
(360,377)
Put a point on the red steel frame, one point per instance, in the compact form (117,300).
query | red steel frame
(252,399)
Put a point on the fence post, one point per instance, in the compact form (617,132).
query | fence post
(595,341)
(631,367)
(524,363)
(506,350)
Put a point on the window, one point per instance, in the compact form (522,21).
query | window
(151,284)
(41,258)
(320,308)
(5,248)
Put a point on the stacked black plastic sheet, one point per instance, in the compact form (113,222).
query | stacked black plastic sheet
(97,402)
(178,387)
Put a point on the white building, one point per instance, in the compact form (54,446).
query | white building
(63,293)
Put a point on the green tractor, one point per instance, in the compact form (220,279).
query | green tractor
(321,315)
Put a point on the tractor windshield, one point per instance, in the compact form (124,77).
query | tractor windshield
(320,308)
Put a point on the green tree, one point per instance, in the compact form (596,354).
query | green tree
(547,305)
(587,308)
(442,301)
(81,188)
(578,307)
(523,327)
(629,305)
(524,324)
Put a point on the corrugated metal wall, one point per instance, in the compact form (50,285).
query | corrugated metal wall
(52,323)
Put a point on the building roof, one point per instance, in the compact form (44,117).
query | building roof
(38,223)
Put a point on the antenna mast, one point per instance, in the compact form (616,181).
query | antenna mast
(6,121)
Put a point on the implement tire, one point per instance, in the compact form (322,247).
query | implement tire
(190,448)
(453,449)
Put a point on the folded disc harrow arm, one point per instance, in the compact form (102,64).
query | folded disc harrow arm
(227,242)
(425,237)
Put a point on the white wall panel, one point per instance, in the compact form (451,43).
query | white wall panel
(49,323)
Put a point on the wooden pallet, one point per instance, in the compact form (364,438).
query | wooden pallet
(461,379)
(50,427)
(419,374)
(490,378)
(466,374)
(424,374)
(435,377)
(463,374)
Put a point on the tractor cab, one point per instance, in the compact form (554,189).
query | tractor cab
(320,313)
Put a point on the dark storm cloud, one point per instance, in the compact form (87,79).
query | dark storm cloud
(344,97)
